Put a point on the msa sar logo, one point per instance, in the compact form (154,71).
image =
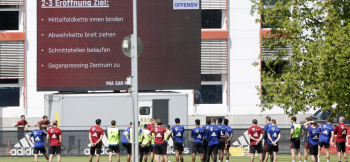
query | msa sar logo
(211,128)
(197,130)
(176,129)
(253,129)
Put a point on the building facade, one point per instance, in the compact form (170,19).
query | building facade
(230,45)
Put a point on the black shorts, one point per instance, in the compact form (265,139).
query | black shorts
(272,148)
(341,147)
(114,149)
(321,144)
(213,149)
(128,147)
(41,149)
(160,149)
(55,150)
(97,148)
(313,149)
(151,148)
(205,144)
(255,148)
(145,150)
(178,146)
(221,144)
(228,145)
(197,147)
(295,143)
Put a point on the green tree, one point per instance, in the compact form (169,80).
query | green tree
(318,72)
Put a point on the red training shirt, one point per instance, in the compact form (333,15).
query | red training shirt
(21,123)
(341,130)
(159,134)
(149,127)
(255,132)
(96,133)
(54,134)
(45,123)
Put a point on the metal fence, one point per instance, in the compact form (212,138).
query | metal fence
(75,143)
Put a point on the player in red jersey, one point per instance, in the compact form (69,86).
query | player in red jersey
(150,124)
(95,137)
(21,126)
(45,123)
(255,134)
(150,127)
(55,137)
(160,145)
(341,130)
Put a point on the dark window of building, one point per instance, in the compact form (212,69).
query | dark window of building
(8,81)
(145,110)
(211,19)
(269,2)
(8,6)
(209,94)
(9,96)
(264,24)
(278,68)
(211,77)
(9,20)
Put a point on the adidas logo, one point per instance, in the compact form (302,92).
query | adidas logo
(315,137)
(256,135)
(24,142)
(54,136)
(37,139)
(213,134)
(199,136)
(179,134)
(325,132)
(158,135)
(95,134)
(242,140)
(274,135)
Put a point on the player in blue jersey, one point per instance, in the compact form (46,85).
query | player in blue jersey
(38,136)
(126,141)
(306,149)
(273,136)
(229,135)
(327,135)
(268,124)
(213,135)
(205,141)
(314,132)
(222,140)
(197,146)
(178,132)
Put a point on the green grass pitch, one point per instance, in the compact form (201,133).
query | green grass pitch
(187,158)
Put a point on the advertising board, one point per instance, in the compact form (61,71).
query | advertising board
(80,41)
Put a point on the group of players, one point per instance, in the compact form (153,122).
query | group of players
(53,134)
(208,140)
(154,138)
(318,136)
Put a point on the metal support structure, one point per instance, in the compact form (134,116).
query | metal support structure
(134,83)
